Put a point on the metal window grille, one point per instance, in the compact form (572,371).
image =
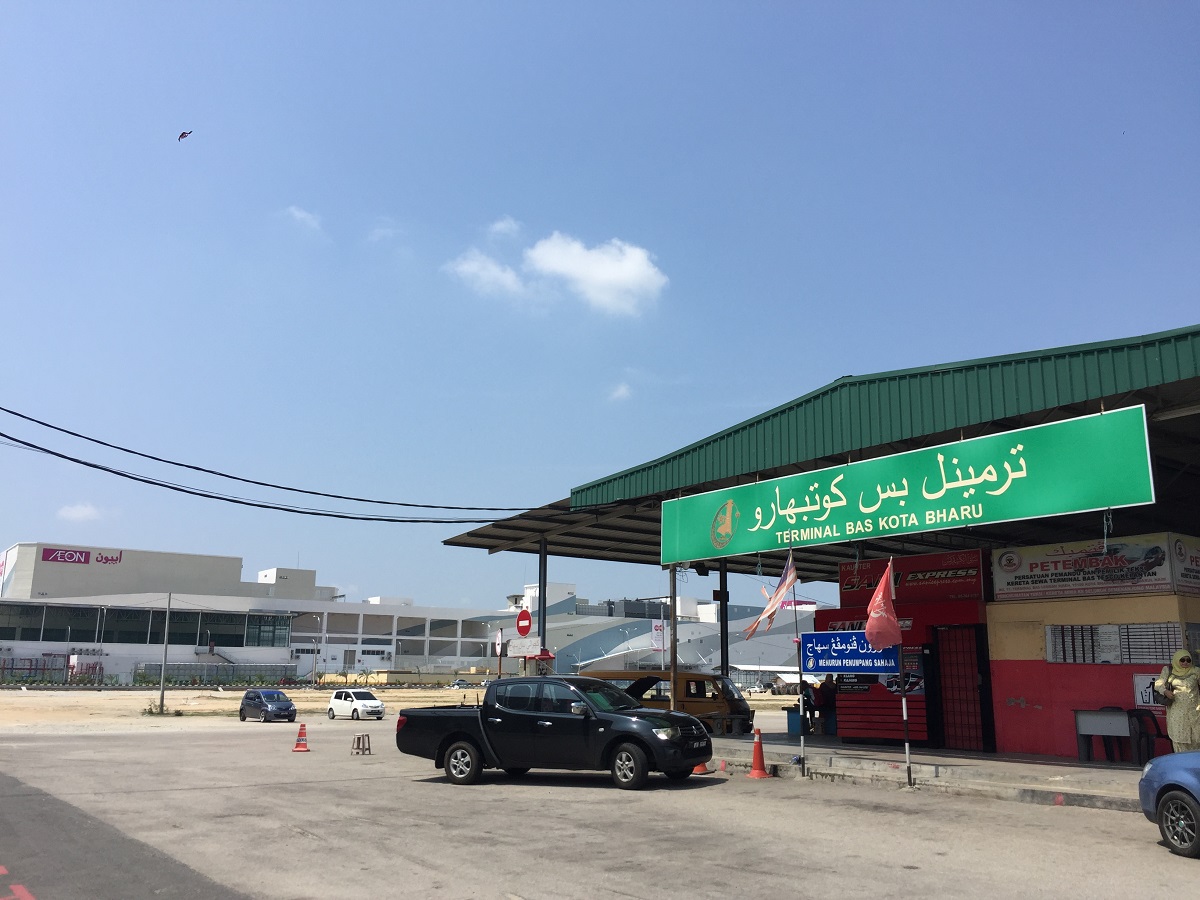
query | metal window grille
(1148,644)
(1151,644)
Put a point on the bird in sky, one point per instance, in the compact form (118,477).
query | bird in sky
(182,135)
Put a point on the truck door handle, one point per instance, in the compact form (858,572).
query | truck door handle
(494,721)
(544,722)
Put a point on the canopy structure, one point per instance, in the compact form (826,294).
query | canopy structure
(618,518)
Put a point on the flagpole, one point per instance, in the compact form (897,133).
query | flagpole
(904,711)
(903,680)
(800,677)
(883,631)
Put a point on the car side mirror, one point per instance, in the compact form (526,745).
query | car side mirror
(579,708)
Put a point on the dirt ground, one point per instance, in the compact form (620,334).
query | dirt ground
(33,708)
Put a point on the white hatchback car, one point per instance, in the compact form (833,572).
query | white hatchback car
(357,704)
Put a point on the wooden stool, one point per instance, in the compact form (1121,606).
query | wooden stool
(361,745)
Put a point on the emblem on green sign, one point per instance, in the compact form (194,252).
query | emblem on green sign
(724,524)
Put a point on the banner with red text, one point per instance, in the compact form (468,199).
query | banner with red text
(930,576)
(1123,565)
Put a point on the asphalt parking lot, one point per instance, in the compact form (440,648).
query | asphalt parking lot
(214,808)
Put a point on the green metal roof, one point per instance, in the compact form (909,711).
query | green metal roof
(859,417)
(619,518)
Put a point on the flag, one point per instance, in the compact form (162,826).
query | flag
(786,580)
(883,628)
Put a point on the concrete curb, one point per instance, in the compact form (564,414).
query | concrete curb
(927,777)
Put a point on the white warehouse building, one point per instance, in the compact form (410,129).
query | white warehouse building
(101,614)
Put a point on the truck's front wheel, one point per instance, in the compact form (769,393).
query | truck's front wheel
(629,767)
(463,763)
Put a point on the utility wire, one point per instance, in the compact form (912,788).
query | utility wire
(212,495)
(267,484)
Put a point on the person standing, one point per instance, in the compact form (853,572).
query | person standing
(811,705)
(1180,684)
(828,692)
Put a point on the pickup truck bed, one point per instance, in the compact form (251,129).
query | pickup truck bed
(555,722)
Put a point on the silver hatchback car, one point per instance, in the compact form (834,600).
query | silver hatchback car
(266,706)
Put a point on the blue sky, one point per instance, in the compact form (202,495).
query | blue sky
(477,254)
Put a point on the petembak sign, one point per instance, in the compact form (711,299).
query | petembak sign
(1089,463)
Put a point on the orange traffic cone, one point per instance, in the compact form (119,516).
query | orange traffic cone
(758,768)
(301,740)
(701,769)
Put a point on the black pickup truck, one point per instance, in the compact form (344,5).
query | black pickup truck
(555,722)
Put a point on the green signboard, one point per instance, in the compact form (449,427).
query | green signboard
(1089,463)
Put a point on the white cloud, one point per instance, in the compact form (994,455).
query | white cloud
(616,278)
(304,217)
(385,229)
(485,275)
(79,512)
(383,233)
(504,227)
(621,392)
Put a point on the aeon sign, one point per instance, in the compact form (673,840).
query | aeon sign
(50,554)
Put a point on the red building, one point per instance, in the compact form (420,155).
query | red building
(940,603)
(1084,626)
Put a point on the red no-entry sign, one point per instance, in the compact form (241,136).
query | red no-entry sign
(524,622)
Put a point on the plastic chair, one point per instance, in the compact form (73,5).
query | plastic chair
(1144,732)
(1112,750)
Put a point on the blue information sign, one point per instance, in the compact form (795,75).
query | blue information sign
(845,651)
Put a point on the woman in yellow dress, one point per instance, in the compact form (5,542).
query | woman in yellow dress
(1180,684)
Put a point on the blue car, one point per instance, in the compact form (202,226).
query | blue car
(1168,790)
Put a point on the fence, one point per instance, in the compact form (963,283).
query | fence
(41,670)
(215,673)
(52,668)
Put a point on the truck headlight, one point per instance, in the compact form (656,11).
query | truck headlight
(669,733)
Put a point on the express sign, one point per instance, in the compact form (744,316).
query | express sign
(934,576)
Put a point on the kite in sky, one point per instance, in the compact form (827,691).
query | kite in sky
(183,135)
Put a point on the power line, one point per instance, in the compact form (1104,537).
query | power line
(241,501)
(267,484)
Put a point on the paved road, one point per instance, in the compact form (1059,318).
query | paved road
(49,846)
(215,808)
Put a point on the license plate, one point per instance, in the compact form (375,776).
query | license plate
(696,745)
